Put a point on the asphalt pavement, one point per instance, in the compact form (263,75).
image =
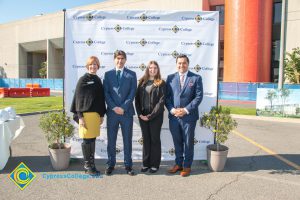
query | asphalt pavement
(263,164)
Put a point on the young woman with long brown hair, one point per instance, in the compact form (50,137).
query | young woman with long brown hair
(149,103)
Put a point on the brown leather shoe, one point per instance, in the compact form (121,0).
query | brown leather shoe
(185,172)
(175,169)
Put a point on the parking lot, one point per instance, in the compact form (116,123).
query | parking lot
(263,163)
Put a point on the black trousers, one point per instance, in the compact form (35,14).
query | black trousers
(151,141)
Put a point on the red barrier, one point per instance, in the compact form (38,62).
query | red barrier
(40,92)
(4,92)
(19,92)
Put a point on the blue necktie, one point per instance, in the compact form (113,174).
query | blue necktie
(118,76)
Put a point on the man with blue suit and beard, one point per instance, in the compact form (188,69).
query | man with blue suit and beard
(119,87)
(184,95)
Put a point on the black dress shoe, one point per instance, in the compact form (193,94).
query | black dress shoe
(130,171)
(153,170)
(144,169)
(109,170)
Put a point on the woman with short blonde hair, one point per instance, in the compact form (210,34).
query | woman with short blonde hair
(89,108)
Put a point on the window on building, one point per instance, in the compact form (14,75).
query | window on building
(221,10)
(275,58)
(277,12)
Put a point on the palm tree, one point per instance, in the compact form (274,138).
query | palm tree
(271,95)
(292,66)
(284,93)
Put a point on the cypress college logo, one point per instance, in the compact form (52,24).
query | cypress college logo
(89,17)
(197,43)
(143,42)
(143,17)
(197,18)
(174,54)
(197,68)
(195,141)
(172,152)
(22,176)
(174,29)
(88,42)
(118,150)
(110,53)
(117,28)
(141,141)
(142,67)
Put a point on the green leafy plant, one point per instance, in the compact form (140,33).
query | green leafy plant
(220,122)
(292,66)
(43,70)
(56,126)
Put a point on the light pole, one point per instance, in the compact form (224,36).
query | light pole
(282,45)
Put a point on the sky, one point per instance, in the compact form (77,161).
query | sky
(12,10)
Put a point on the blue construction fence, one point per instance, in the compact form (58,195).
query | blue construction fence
(227,90)
(53,84)
(246,91)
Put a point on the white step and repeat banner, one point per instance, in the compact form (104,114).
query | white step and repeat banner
(144,36)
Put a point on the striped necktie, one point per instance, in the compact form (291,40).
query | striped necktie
(181,81)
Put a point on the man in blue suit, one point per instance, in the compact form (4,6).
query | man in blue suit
(119,87)
(184,95)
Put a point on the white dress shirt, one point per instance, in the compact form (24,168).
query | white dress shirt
(184,79)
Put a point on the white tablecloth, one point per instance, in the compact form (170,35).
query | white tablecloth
(9,131)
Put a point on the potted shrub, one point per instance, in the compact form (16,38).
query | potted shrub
(57,127)
(220,122)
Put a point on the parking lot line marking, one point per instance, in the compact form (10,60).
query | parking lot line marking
(269,151)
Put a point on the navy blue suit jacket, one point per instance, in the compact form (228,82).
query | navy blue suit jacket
(120,95)
(189,97)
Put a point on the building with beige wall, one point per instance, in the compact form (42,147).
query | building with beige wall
(25,44)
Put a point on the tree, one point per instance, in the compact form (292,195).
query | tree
(284,93)
(271,95)
(220,122)
(2,72)
(292,66)
(43,70)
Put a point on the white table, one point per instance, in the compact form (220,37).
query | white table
(9,131)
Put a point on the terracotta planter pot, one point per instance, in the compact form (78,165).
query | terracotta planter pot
(60,158)
(216,159)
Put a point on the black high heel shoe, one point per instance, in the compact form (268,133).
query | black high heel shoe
(153,170)
(144,169)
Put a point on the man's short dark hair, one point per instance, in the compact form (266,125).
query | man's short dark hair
(183,56)
(120,53)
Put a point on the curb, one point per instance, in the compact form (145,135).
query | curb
(271,119)
(36,113)
(250,117)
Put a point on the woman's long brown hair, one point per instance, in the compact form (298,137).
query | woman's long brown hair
(146,77)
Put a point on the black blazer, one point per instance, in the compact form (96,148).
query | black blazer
(157,100)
